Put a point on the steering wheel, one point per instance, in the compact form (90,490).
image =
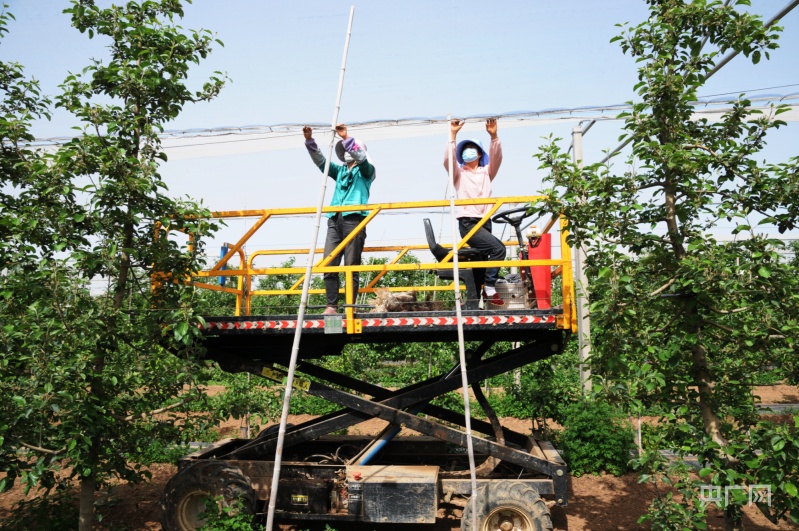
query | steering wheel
(505,217)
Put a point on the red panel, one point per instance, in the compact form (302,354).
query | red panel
(541,249)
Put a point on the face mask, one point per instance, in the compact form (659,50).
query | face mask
(469,154)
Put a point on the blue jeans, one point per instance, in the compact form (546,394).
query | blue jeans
(485,242)
(338,228)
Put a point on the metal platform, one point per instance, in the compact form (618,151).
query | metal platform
(269,338)
(398,479)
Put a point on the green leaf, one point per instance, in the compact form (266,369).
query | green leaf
(790,488)
(764,272)
(705,472)
(181,330)
(777,443)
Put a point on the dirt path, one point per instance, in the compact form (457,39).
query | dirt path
(596,503)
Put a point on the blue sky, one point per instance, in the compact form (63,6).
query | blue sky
(406,59)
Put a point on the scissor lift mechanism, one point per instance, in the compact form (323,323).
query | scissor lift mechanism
(325,476)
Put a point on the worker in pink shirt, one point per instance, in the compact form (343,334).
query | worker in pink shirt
(473,173)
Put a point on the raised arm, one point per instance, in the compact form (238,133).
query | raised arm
(494,150)
(454,127)
(316,154)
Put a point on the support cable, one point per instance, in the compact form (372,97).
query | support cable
(459,319)
(304,298)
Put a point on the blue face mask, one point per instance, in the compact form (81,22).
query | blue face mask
(469,154)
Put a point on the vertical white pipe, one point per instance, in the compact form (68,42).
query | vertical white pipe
(581,291)
(270,517)
(459,318)
(640,438)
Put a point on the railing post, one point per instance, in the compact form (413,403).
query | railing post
(349,311)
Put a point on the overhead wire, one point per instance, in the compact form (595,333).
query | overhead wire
(278,131)
(747,91)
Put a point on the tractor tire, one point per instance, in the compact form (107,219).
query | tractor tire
(184,495)
(505,506)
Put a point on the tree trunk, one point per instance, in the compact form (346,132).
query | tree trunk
(87,487)
(124,266)
(733,519)
(699,366)
(710,420)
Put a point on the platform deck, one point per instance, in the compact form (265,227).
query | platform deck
(270,337)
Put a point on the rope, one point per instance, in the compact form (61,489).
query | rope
(459,319)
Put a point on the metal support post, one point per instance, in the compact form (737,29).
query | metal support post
(581,289)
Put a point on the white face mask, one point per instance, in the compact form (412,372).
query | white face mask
(469,155)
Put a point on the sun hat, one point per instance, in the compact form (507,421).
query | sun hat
(340,152)
(462,145)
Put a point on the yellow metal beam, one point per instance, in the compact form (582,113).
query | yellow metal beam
(340,248)
(214,287)
(233,250)
(474,230)
(393,289)
(381,267)
(381,274)
(366,250)
(374,206)
(568,278)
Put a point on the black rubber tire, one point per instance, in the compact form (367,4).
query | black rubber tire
(182,501)
(509,501)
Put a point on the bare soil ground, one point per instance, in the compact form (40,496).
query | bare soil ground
(596,503)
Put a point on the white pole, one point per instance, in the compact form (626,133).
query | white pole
(583,319)
(459,318)
(270,517)
(640,440)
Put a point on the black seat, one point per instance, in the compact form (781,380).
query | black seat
(473,278)
(440,252)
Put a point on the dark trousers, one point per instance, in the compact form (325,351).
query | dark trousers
(485,242)
(338,227)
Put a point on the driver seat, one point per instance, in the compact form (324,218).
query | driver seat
(473,278)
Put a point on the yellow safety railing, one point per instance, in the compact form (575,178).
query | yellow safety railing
(245,271)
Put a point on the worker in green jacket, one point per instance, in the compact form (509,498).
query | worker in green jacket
(353,179)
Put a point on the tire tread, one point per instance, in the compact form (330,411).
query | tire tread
(508,492)
(217,478)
